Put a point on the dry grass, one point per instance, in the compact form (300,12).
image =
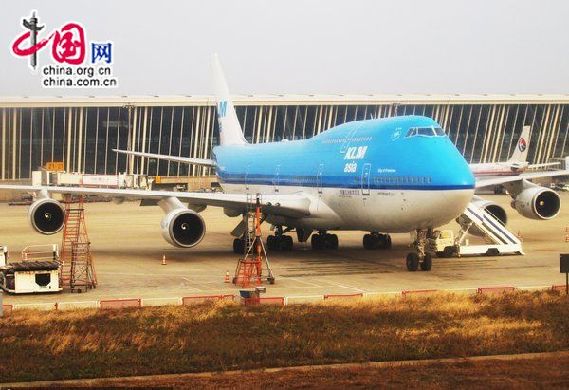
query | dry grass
(543,373)
(88,343)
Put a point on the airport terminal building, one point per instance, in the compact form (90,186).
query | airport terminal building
(81,132)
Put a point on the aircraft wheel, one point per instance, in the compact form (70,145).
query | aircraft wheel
(287,243)
(271,242)
(331,241)
(449,251)
(427,262)
(316,241)
(238,246)
(412,261)
(388,241)
(368,241)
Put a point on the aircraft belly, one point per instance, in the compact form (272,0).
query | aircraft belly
(381,210)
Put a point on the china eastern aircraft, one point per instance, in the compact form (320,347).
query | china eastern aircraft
(515,165)
(381,176)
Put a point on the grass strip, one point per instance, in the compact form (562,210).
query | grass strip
(55,345)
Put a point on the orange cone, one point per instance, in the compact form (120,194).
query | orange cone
(226,277)
(163,259)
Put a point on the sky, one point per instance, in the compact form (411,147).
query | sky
(307,46)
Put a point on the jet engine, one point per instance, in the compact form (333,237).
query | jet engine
(493,208)
(46,216)
(183,228)
(537,202)
(490,207)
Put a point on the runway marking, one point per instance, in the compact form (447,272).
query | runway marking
(347,287)
(302,281)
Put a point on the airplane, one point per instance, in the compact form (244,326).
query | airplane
(515,165)
(398,174)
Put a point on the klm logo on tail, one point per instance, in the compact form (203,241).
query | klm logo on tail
(222,109)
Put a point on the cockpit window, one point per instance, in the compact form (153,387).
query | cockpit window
(429,131)
(439,131)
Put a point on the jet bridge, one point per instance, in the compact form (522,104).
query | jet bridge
(499,239)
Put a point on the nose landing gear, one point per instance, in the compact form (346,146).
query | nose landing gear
(420,258)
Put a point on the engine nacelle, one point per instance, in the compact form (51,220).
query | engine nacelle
(47,216)
(537,203)
(183,228)
(492,208)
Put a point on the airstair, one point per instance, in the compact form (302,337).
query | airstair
(499,240)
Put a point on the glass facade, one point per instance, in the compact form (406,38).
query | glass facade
(83,136)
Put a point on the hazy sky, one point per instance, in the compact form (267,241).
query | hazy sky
(309,46)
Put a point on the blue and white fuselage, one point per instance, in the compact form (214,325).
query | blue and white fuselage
(385,175)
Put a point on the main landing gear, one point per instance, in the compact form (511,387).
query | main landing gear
(279,242)
(420,258)
(323,240)
(376,240)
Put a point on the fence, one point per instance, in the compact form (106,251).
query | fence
(120,303)
(495,290)
(277,301)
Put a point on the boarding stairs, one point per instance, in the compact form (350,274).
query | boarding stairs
(499,240)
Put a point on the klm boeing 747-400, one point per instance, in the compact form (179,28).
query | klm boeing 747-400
(399,174)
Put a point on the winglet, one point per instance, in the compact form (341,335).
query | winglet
(230,132)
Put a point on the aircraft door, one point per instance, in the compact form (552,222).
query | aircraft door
(319,178)
(277,178)
(366,176)
(247,179)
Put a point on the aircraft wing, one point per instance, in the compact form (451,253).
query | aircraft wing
(186,160)
(494,181)
(290,205)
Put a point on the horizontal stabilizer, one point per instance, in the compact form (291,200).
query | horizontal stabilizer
(543,165)
(186,160)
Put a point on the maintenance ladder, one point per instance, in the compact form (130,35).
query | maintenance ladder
(254,267)
(77,268)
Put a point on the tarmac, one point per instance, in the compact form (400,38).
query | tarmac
(128,247)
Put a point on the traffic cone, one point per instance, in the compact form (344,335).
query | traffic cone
(226,277)
(163,259)
(567,238)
